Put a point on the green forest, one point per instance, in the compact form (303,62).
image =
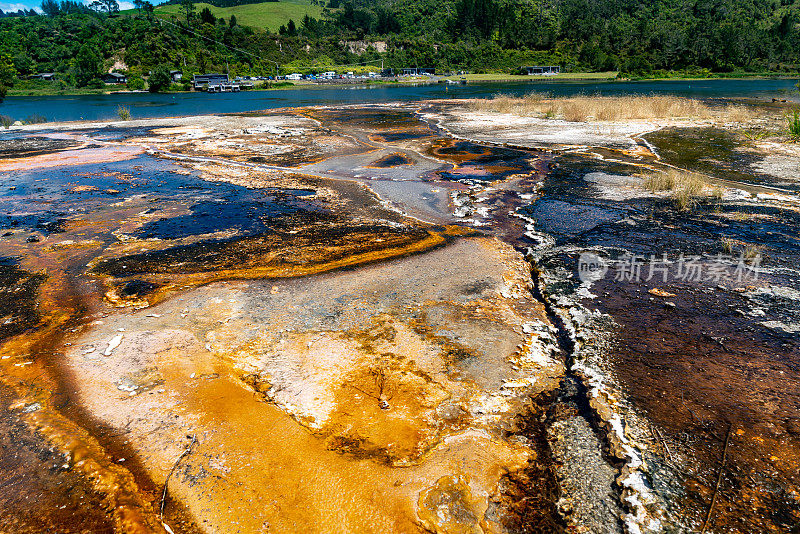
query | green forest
(638,39)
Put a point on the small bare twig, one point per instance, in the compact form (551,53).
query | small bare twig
(379,376)
(184,454)
(379,373)
(719,479)
(657,432)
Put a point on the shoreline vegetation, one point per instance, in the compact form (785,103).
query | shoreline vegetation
(81,46)
(585,109)
(84,46)
(613,108)
(23,88)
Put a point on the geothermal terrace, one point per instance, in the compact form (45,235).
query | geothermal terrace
(449,317)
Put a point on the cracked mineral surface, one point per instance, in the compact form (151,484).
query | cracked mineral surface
(375,319)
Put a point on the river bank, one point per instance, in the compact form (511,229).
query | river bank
(51,89)
(47,88)
(147,105)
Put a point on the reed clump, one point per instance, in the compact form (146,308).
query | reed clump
(793,124)
(612,108)
(35,118)
(752,252)
(728,245)
(685,188)
(123,113)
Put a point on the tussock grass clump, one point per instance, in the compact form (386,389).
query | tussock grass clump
(612,108)
(749,252)
(660,181)
(752,252)
(36,118)
(728,245)
(793,124)
(737,114)
(685,198)
(6,121)
(123,113)
(686,188)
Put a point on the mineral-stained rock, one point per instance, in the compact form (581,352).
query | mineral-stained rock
(347,394)
(447,508)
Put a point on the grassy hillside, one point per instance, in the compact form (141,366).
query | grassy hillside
(266,15)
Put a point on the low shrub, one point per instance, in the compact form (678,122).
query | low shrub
(123,113)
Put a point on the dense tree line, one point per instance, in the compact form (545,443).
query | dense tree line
(18,13)
(225,3)
(640,38)
(627,35)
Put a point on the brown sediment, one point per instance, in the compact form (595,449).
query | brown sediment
(42,399)
(391,160)
(458,151)
(401,135)
(694,363)
(39,490)
(697,358)
(530,495)
(30,387)
(474,161)
(121,496)
(27,147)
(271,256)
(18,293)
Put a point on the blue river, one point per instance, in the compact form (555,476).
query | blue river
(146,105)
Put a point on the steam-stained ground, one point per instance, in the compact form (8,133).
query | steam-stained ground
(371,319)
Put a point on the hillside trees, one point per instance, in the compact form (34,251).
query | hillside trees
(475,18)
(207,17)
(7,73)
(105,6)
(159,80)
(639,38)
(187,9)
(88,65)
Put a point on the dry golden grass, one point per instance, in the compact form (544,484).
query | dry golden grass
(660,181)
(738,114)
(752,252)
(612,108)
(728,245)
(749,252)
(685,199)
(686,188)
